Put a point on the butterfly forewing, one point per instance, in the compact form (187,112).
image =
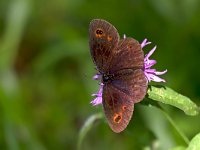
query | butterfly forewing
(127,55)
(104,39)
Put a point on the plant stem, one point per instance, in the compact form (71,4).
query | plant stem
(182,135)
(86,127)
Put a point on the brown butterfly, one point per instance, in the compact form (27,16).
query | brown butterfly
(121,65)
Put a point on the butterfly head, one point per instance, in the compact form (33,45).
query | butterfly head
(107,78)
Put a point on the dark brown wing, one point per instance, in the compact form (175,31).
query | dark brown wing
(103,40)
(132,82)
(128,86)
(119,96)
(128,55)
(118,108)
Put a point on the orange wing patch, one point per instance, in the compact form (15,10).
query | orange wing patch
(117,118)
(109,38)
(99,33)
(123,107)
(129,46)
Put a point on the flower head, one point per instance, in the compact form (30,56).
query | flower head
(151,74)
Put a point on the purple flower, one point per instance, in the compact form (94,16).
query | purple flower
(98,95)
(151,74)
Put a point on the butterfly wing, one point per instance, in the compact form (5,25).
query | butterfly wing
(127,65)
(128,86)
(103,40)
(131,82)
(120,95)
(118,108)
(127,55)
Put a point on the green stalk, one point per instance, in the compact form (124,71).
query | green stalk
(182,135)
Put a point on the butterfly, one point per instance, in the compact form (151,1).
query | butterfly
(120,63)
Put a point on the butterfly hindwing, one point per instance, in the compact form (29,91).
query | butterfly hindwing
(132,83)
(118,108)
(119,96)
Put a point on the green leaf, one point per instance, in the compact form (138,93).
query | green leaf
(169,96)
(87,126)
(195,143)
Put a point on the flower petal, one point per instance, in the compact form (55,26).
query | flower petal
(150,70)
(144,43)
(152,77)
(150,53)
(124,36)
(148,63)
(96,77)
(160,72)
(96,101)
(151,74)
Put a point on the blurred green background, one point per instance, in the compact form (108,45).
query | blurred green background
(46,72)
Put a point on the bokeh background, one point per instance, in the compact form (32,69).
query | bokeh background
(46,72)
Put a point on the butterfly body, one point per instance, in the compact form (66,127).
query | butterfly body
(120,63)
